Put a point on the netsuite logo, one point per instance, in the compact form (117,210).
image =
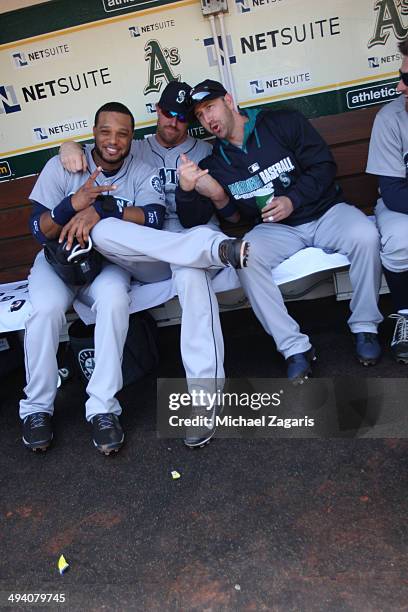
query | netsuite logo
(246,6)
(136,31)
(242,6)
(40,133)
(278,81)
(8,100)
(72,126)
(22,60)
(373,62)
(19,60)
(210,46)
(257,87)
(376,62)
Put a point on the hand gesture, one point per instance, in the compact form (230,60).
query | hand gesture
(87,194)
(189,173)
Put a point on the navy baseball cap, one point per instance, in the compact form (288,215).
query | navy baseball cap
(175,98)
(207,90)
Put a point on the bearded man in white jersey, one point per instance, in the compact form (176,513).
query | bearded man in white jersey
(202,346)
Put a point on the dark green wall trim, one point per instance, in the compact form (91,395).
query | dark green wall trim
(59,14)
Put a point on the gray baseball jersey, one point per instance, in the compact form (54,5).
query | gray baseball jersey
(388,156)
(137,184)
(167,161)
(388,152)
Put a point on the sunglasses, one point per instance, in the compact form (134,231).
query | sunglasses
(171,114)
(404,77)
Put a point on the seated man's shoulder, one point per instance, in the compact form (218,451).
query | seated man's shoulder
(392,109)
(281,113)
(54,165)
(282,116)
(203,147)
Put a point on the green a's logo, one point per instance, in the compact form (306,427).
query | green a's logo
(389,14)
(160,59)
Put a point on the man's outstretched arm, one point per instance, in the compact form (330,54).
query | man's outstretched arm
(199,195)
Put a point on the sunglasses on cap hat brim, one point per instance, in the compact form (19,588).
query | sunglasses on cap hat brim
(203,96)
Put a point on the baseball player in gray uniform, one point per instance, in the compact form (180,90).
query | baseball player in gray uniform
(388,159)
(202,346)
(58,196)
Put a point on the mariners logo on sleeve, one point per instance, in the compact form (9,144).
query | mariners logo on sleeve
(156,184)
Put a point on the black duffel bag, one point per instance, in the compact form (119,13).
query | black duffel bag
(140,354)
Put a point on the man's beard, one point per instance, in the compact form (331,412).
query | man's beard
(117,160)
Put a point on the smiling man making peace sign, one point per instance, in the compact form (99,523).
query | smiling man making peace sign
(77,202)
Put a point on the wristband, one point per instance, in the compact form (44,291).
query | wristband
(64,212)
(228,210)
(106,206)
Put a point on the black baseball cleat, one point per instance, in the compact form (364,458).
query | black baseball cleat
(37,431)
(234,252)
(108,434)
(368,348)
(299,366)
(399,342)
(200,433)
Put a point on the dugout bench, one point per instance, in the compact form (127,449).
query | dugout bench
(348,136)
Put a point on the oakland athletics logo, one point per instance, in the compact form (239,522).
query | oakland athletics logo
(389,14)
(160,62)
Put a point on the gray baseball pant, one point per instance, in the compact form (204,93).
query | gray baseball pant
(50,298)
(201,340)
(344,229)
(193,255)
(393,228)
(121,241)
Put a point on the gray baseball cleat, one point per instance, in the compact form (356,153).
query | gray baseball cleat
(37,431)
(108,434)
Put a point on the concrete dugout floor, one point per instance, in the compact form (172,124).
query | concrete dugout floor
(251,525)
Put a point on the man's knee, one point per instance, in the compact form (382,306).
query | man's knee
(259,255)
(394,252)
(101,233)
(365,236)
(50,309)
(184,275)
(116,302)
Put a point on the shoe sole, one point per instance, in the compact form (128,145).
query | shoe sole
(40,446)
(107,450)
(403,360)
(367,362)
(243,255)
(201,444)
(301,379)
